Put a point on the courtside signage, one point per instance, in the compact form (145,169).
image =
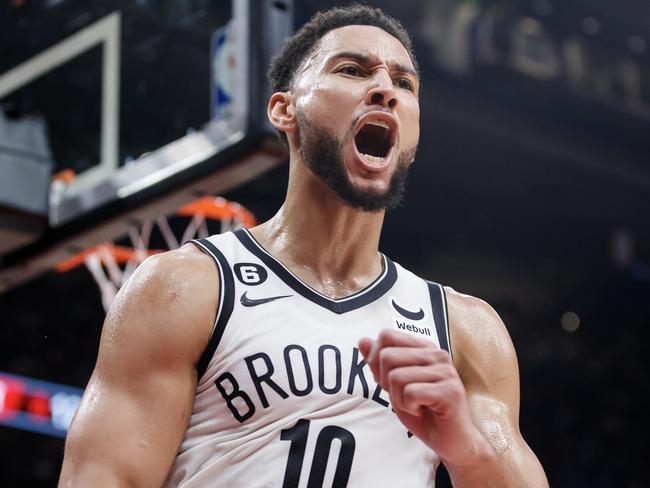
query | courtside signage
(37,406)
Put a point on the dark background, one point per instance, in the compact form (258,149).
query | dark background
(531,190)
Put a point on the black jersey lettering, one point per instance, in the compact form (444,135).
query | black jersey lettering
(321,369)
(259,378)
(296,378)
(356,371)
(234,394)
(305,367)
(376,397)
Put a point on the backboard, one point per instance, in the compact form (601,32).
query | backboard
(146,104)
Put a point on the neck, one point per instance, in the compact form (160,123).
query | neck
(325,242)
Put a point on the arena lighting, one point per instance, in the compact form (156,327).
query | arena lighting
(37,406)
(570,321)
(464,36)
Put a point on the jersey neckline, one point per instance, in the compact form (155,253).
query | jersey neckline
(369,294)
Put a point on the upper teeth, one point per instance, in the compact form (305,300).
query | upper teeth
(379,123)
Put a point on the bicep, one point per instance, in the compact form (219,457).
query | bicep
(126,431)
(137,404)
(490,373)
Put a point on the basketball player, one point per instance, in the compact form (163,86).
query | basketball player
(327,364)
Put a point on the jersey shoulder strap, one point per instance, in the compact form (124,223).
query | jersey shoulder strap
(225,301)
(440,315)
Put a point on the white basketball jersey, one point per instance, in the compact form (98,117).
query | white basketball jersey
(285,398)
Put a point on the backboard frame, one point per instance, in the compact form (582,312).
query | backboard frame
(213,160)
(105,33)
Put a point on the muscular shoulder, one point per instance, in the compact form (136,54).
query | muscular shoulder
(169,276)
(168,305)
(483,351)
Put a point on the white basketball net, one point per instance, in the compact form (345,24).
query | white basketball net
(111,276)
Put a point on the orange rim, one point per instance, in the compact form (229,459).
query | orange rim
(218,209)
(121,255)
(213,208)
(66,175)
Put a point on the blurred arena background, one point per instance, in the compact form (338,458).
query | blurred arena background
(531,190)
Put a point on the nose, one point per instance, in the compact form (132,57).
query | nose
(382,91)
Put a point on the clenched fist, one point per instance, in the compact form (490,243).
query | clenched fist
(426,393)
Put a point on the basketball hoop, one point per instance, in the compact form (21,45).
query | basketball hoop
(111,264)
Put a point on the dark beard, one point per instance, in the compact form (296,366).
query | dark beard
(322,152)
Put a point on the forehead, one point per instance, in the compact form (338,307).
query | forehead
(368,40)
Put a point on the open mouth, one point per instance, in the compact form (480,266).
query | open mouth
(374,139)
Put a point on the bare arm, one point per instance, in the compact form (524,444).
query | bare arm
(466,411)
(487,364)
(137,404)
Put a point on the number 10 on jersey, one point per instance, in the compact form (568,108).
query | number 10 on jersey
(298,437)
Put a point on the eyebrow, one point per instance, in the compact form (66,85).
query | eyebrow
(367,60)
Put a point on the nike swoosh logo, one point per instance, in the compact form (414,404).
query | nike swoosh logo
(419,315)
(252,302)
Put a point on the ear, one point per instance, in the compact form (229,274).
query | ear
(281,112)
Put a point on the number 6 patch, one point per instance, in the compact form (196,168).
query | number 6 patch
(250,273)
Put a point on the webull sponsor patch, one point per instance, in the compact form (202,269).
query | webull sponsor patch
(419,330)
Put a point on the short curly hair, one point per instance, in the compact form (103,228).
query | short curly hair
(301,44)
